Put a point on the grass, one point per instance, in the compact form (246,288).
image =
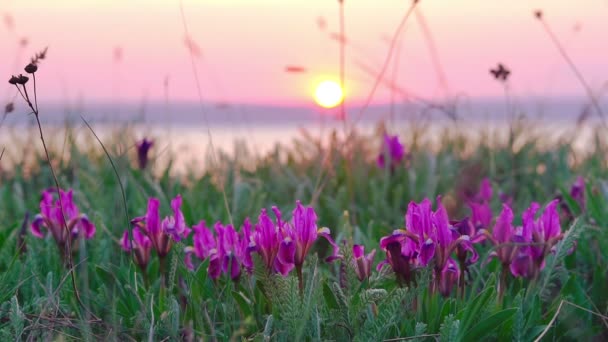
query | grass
(357,200)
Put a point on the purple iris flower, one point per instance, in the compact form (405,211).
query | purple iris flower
(450,275)
(362,262)
(393,149)
(204,246)
(233,252)
(400,254)
(175,225)
(428,236)
(512,243)
(545,232)
(464,254)
(303,231)
(141,247)
(503,236)
(228,251)
(481,215)
(523,249)
(485,191)
(577,191)
(435,239)
(522,261)
(54,221)
(267,240)
(284,245)
(162,232)
(143,147)
(481,212)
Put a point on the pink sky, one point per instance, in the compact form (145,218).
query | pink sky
(246,45)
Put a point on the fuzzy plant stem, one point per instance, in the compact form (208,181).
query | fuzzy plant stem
(462,278)
(300,279)
(502,285)
(162,270)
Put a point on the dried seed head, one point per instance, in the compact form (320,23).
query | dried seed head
(22,79)
(42,54)
(13,80)
(538,14)
(501,72)
(9,108)
(31,68)
(37,57)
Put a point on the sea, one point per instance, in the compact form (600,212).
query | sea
(186,132)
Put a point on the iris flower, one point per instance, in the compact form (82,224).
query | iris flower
(523,249)
(427,236)
(267,241)
(54,221)
(481,213)
(504,236)
(284,245)
(401,255)
(143,147)
(228,251)
(159,233)
(362,262)
(543,233)
(141,247)
(393,149)
(577,191)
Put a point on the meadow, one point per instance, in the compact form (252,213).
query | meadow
(122,274)
(420,233)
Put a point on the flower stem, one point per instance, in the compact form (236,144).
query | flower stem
(300,279)
(502,285)
(161,269)
(462,280)
(144,274)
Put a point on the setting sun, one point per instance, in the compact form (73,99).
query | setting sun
(328,94)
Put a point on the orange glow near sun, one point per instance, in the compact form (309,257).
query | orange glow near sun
(328,94)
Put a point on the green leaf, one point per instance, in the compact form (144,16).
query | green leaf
(570,201)
(472,311)
(486,326)
(328,295)
(244,303)
(519,323)
(535,331)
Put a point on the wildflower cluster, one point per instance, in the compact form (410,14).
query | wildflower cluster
(430,238)
(149,232)
(227,251)
(282,245)
(523,248)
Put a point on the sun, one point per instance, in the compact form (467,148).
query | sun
(328,94)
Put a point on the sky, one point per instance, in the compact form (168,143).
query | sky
(137,50)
